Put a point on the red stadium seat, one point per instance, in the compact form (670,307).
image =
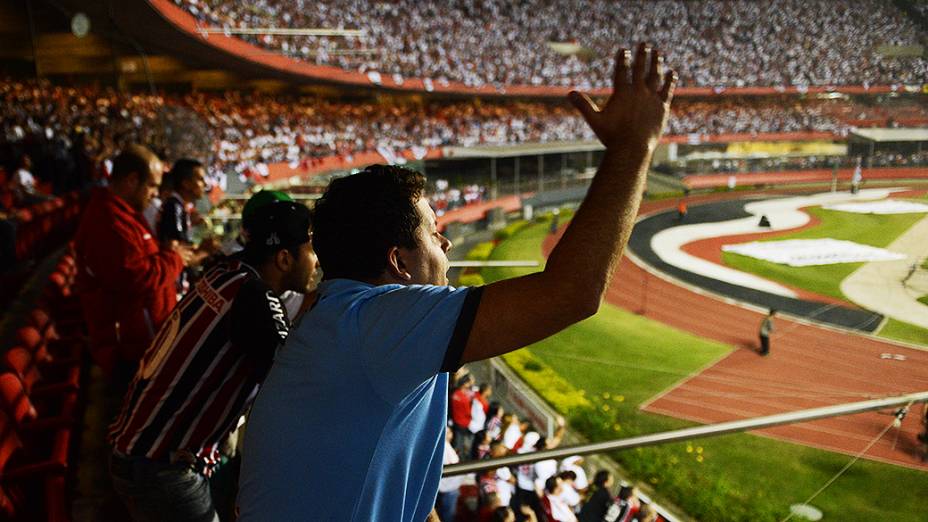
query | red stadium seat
(54,414)
(37,383)
(48,349)
(40,319)
(16,403)
(21,362)
(31,339)
(66,330)
(32,479)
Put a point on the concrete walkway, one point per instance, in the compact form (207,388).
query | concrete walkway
(886,287)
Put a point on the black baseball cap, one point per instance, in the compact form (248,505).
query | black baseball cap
(258,201)
(277,225)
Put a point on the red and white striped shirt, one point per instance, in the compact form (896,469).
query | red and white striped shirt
(203,369)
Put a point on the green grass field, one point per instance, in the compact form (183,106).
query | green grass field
(868,229)
(901,331)
(598,372)
(873,230)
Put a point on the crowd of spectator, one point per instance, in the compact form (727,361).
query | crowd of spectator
(69,132)
(445,197)
(741,117)
(548,490)
(800,42)
(784,163)
(898,159)
(62,138)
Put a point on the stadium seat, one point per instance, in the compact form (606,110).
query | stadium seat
(32,478)
(21,362)
(31,339)
(15,401)
(52,414)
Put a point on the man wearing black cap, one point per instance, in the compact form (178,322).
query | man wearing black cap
(204,368)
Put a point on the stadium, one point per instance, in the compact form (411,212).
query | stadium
(759,351)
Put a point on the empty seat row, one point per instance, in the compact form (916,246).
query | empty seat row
(41,404)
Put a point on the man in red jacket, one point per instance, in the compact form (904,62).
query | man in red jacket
(461,401)
(125,279)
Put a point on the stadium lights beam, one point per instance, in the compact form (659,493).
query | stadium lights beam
(281,31)
(697,432)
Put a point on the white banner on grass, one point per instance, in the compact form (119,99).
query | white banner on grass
(812,252)
(886,206)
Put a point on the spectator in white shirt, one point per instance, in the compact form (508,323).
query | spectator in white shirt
(449,487)
(581,482)
(569,494)
(558,510)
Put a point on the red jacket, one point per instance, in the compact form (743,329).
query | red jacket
(460,407)
(125,281)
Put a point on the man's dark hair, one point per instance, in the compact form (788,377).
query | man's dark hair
(541,443)
(625,492)
(134,158)
(567,475)
(602,476)
(360,217)
(501,514)
(182,170)
(551,484)
(465,380)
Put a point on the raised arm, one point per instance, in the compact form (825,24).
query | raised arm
(517,312)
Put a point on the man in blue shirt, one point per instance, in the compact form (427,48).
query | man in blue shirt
(350,422)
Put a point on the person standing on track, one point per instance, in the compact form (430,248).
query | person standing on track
(766,328)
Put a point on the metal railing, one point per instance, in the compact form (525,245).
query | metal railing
(696,432)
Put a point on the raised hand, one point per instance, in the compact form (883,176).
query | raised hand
(636,113)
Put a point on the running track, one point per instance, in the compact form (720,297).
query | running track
(808,366)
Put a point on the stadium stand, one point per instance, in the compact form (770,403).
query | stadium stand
(541,43)
(246,132)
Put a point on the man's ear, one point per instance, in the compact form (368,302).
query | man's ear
(396,265)
(283,260)
(133,180)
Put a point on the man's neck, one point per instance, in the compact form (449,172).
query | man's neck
(272,277)
(185,196)
(121,193)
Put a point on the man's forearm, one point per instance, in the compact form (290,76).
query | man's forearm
(517,312)
(586,257)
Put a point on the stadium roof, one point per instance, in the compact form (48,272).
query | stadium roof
(889,135)
(525,149)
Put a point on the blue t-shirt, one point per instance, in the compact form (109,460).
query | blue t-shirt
(349,424)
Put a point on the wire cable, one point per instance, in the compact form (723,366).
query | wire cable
(900,414)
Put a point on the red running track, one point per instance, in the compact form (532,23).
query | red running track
(808,366)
